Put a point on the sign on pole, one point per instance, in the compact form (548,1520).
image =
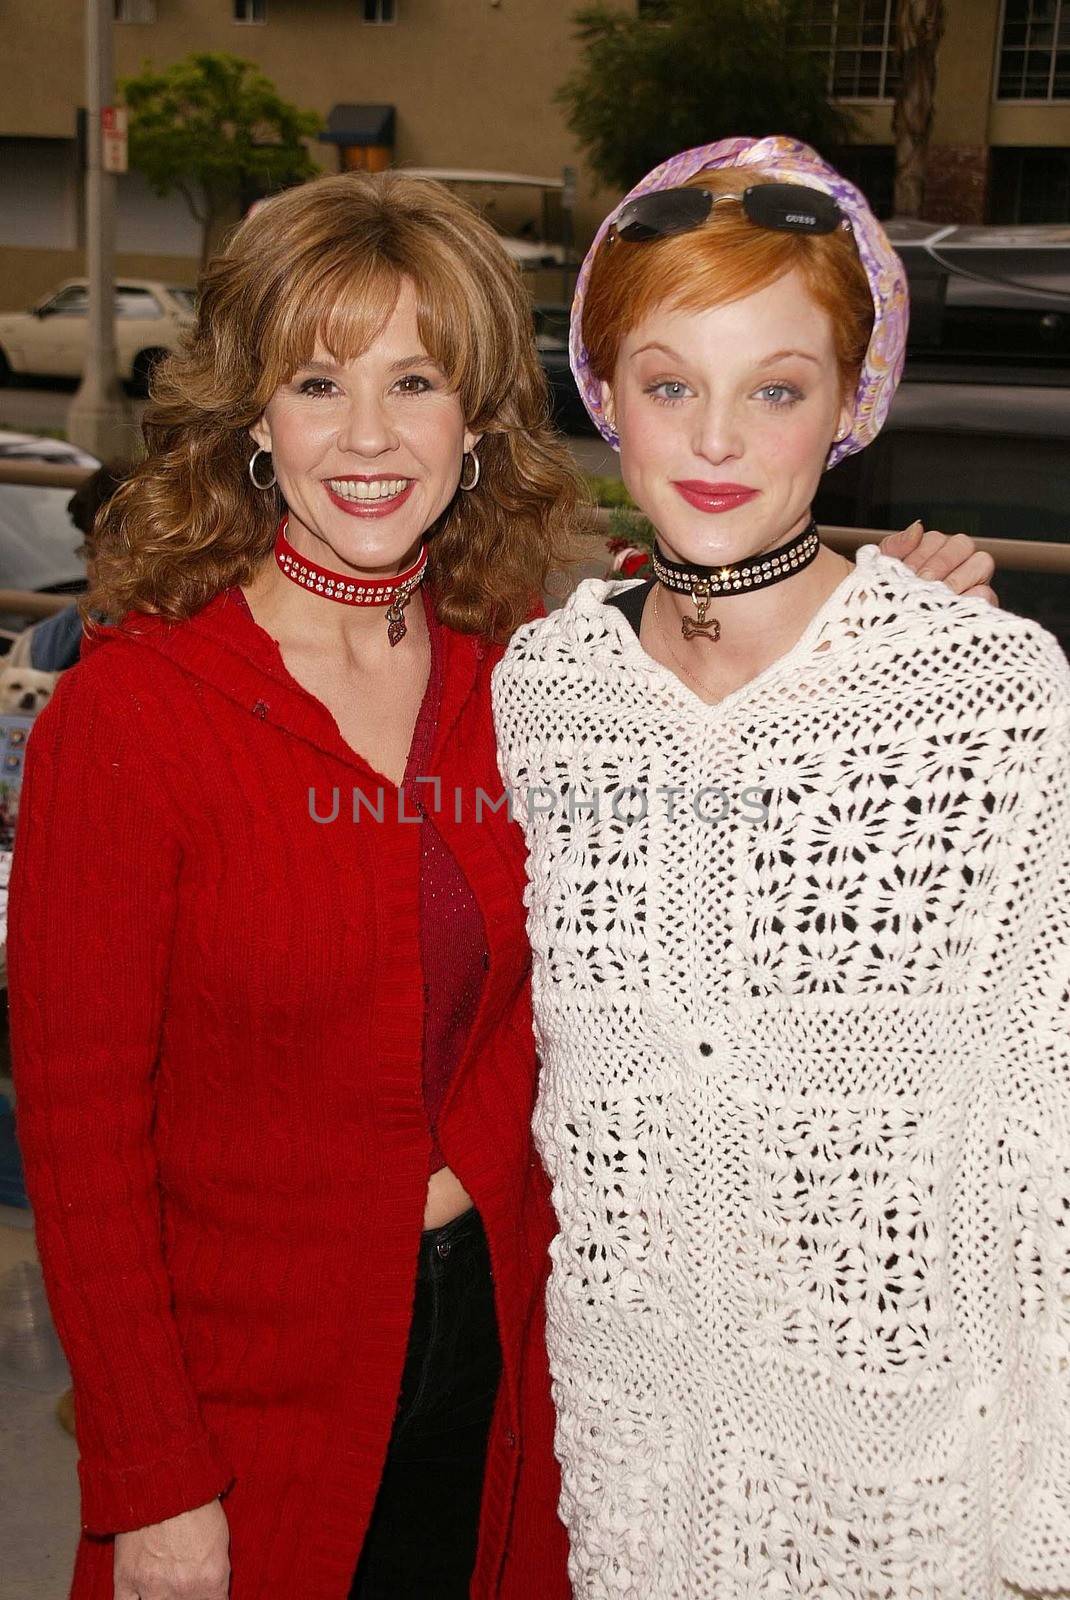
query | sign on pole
(113,138)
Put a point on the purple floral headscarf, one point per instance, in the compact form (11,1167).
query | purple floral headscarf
(790,162)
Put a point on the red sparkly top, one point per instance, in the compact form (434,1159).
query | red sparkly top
(452,937)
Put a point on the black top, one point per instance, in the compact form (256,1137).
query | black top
(631,603)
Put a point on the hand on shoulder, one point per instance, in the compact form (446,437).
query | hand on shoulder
(951,558)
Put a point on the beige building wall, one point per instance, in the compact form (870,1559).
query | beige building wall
(969,120)
(473,83)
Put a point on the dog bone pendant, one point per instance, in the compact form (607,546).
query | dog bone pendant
(700,628)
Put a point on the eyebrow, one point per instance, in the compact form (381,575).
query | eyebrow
(766,361)
(664,349)
(420,360)
(780,355)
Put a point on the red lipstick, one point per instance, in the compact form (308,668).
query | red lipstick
(368,508)
(714,497)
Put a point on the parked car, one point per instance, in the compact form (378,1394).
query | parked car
(551,341)
(969,455)
(38,541)
(49,340)
(998,296)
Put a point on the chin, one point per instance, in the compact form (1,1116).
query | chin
(730,541)
(372,547)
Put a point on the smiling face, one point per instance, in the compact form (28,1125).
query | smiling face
(725,418)
(367,452)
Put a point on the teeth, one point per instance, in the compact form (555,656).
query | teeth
(379,489)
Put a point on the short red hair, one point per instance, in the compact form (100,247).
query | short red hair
(724,260)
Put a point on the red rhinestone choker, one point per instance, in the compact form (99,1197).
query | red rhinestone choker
(392,592)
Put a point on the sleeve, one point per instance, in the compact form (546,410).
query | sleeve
(1034,964)
(55,643)
(92,907)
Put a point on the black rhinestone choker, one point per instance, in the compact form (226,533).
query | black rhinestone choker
(704,584)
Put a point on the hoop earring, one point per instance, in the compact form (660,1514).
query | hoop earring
(468,487)
(254,480)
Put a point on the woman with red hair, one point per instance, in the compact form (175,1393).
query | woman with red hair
(799,851)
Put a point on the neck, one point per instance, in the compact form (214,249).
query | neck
(755,628)
(294,616)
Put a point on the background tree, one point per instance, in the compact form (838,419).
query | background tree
(920,27)
(688,72)
(216,130)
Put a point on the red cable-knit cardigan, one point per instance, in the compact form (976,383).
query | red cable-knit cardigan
(216,1014)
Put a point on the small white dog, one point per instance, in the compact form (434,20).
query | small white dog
(23,691)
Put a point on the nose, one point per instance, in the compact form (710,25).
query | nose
(367,429)
(28,701)
(718,433)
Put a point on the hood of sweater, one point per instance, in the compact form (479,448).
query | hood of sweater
(222,647)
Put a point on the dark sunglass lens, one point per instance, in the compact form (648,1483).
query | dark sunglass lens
(791,208)
(652,216)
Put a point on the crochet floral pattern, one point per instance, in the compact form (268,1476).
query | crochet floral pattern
(802,969)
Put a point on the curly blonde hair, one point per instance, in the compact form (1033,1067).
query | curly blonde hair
(325,262)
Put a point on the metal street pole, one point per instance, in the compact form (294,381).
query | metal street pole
(99,418)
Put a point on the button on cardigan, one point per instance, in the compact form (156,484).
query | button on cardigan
(217,1016)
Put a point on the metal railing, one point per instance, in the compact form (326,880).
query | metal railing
(1010,555)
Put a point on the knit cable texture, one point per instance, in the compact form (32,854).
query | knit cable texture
(802,967)
(217,1030)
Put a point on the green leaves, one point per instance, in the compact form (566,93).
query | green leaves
(694,72)
(215,129)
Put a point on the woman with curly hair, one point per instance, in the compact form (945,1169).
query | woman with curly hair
(269,980)
(270,1004)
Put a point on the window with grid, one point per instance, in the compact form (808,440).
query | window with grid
(250,10)
(1034,55)
(856,40)
(380,11)
(135,10)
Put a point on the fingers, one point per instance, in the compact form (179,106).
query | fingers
(982,591)
(901,545)
(972,573)
(952,559)
(938,554)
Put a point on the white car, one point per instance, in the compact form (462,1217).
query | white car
(39,544)
(50,339)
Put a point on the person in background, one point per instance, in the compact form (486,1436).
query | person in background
(54,644)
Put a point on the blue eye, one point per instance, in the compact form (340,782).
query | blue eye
(780,395)
(669,391)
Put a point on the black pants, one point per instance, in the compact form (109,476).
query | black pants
(421,1542)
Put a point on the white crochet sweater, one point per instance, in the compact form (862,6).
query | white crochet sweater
(805,1099)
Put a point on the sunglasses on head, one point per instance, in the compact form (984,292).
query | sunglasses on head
(783,207)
